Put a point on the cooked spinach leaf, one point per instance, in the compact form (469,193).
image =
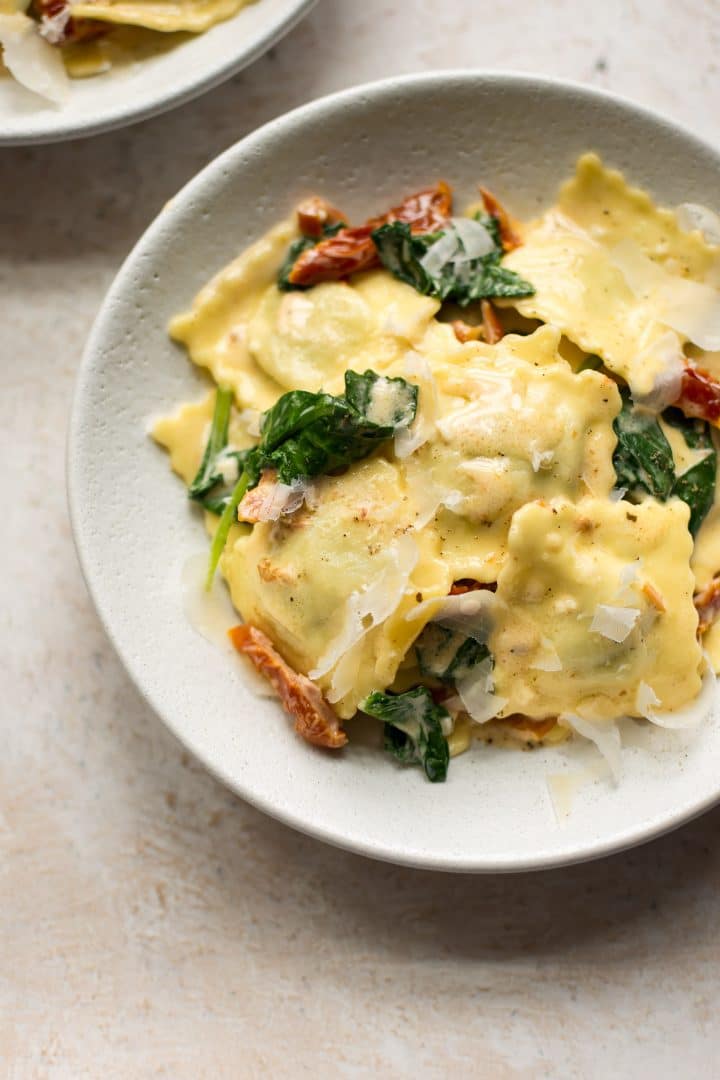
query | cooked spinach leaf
(644,461)
(383,402)
(295,251)
(493,227)
(218,497)
(227,519)
(460,280)
(696,432)
(400,252)
(447,654)
(208,475)
(413,729)
(305,434)
(643,458)
(696,486)
(220,468)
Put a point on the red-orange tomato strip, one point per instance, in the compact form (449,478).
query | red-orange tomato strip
(707,603)
(700,395)
(464,332)
(464,585)
(314,719)
(352,250)
(508,233)
(492,327)
(314,213)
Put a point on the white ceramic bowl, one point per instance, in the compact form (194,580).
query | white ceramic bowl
(132,92)
(362,148)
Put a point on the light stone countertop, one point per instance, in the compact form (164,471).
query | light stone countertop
(151,924)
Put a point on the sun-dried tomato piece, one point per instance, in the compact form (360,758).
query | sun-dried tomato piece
(352,249)
(315,720)
(464,332)
(425,211)
(465,585)
(492,327)
(707,604)
(509,235)
(66,32)
(314,214)
(700,395)
(439,694)
(534,730)
(654,597)
(348,252)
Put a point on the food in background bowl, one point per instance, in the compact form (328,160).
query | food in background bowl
(44,43)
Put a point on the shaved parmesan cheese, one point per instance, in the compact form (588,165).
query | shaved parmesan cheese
(482,468)
(454,500)
(270,500)
(365,609)
(463,241)
(617,494)
(630,573)
(606,736)
(547,658)
(228,468)
(691,308)
(439,253)
(541,458)
(52,27)
(476,693)
(645,699)
(429,499)
(470,613)
(474,237)
(410,439)
(614,623)
(628,576)
(447,723)
(692,216)
(690,716)
(666,362)
(32,60)
(251,420)
(387,398)
(292,496)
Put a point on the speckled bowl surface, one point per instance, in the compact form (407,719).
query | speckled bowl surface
(362,149)
(152,84)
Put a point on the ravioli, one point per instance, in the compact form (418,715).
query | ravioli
(166,16)
(595,259)
(214,330)
(308,339)
(567,559)
(515,424)
(184,434)
(294,578)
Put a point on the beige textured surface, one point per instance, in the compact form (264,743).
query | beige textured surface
(151,924)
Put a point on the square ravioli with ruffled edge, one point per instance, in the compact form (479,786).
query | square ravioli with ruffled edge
(594,601)
(622,279)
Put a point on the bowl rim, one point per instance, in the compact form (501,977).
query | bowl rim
(63,130)
(647,829)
